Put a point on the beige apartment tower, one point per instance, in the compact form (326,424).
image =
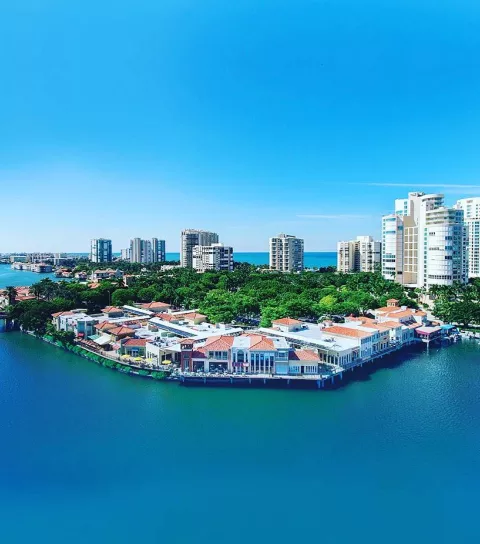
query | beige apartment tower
(286,253)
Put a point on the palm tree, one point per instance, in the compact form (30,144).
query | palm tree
(11,293)
(48,288)
(36,290)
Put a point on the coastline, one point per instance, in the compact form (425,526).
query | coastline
(360,373)
(106,362)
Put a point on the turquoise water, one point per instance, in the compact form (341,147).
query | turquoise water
(314,258)
(318,259)
(19,278)
(90,455)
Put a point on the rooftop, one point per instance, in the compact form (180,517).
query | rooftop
(347,331)
(135,342)
(117,331)
(303,355)
(287,321)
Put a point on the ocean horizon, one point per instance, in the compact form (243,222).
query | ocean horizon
(311,258)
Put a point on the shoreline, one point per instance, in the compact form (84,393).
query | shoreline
(106,362)
(359,373)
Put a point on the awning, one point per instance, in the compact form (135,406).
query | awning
(103,340)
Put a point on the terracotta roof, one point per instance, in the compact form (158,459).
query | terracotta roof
(414,325)
(218,343)
(392,300)
(58,314)
(138,342)
(169,317)
(117,331)
(345,331)
(187,342)
(105,326)
(303,355)
(93,285)
(261,343)
(192,315)
(391,324)
(383,310)
(148,305)
(403,313)
(112,310)
(286,321)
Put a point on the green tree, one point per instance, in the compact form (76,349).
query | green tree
(11,293)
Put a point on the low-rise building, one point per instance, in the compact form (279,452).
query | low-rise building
(133,347)
(112,311)
(213,257)
(286,324)
(156,307)
(247,354)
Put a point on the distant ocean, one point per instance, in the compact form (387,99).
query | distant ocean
(312,259)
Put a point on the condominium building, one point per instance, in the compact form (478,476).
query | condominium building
(191,238)
(125,254)
(444,247)
(360,255)
(158,250)
(286,253)
(423,242)
(140,251)
(100,250)
(471,218)
(213,257)
(146,251)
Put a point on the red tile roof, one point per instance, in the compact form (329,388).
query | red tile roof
(169,317)
(286,321)
(194,315)
(187,342)
(105,326)
(345,331)
(135,342)
(117,331)
(303,355)
(148,305)
(261,343)
(218,343)
(58,314)
(112,310)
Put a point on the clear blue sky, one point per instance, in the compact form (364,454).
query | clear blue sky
(250,118)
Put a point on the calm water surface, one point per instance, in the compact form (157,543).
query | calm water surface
(90,455)
(19,278)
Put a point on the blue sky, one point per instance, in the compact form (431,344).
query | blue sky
(250,118)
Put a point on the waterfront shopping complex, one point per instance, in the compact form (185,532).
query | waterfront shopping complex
(158,337)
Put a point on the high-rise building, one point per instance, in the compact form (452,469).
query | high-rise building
(158,250)
(146,251)
(100,250)
(191,238)
(125,254)
(213,257)
(286,253)
(423,242)
(471,218)
(140,251)
(360,255)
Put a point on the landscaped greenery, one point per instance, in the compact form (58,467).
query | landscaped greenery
(458,303)
(241,295)
(125,266)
